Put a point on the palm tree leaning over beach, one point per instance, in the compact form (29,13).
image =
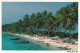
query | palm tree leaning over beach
(66,18)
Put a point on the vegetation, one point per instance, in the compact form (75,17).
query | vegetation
(45,23)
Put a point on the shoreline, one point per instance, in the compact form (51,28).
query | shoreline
(56,43)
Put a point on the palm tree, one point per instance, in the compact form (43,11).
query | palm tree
(26,20)
(49,24)
(66,17)
(32,19)
(20,24)
(38,21)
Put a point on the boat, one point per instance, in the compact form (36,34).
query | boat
(22,42)
(9,35)
(15,39)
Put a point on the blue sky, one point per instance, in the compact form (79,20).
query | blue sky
(13,11)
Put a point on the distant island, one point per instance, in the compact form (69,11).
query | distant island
(57,30)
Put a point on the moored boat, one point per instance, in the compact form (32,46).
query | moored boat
(15,39)
(22,42)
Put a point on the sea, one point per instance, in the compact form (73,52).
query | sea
(8,44)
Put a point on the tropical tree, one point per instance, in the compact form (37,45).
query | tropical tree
(66,16)
(20,23)
(15,27)
(25,23)
(38,21)
(49,24)
(32,20)
(26,20)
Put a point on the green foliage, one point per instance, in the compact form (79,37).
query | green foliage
(68,16)
(29,30)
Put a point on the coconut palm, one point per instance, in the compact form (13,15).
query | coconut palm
(49,24)
(66,16)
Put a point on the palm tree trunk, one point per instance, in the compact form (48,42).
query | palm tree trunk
(48,32)
(70,34)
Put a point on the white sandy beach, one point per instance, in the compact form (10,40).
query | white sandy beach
(56,43)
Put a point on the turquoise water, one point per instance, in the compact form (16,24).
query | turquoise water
(8,44)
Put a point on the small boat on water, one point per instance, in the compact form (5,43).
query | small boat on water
(9,35)
(15,39)
(22,42)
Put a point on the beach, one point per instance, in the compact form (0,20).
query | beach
(57,43)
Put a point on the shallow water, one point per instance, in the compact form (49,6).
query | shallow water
(8,44)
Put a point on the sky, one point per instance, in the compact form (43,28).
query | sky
(13,11)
